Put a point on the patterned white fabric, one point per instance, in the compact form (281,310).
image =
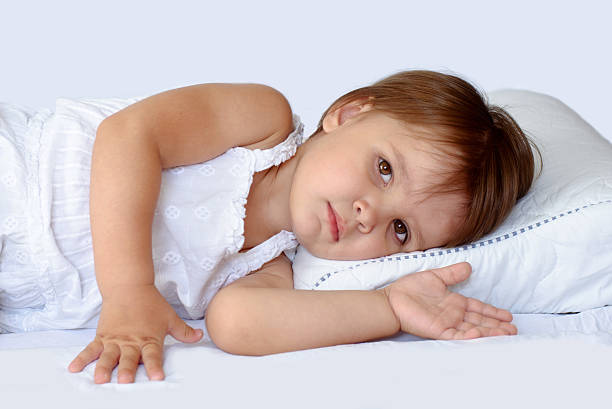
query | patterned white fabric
(47,277)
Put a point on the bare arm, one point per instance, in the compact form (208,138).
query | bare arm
(261,313)
(125,183)
(177,127)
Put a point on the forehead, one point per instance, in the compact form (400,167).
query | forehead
(436,219)
(423,161)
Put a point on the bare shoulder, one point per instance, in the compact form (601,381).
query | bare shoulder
(281,117)
(199,122)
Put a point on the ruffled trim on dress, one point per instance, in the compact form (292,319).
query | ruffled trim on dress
(256,257)
(34,213)
(235,265)
(267,158)
(260,160)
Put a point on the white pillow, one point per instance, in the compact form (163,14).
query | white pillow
(552,254)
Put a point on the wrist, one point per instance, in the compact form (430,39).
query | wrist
(126,293)
(384,293)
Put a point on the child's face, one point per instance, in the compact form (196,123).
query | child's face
(355,191)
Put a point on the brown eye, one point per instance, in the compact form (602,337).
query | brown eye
(384,168)
(401,231)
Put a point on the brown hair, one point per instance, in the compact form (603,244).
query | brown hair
(493,163)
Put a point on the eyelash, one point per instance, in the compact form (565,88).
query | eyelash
(380,170)
(397,223)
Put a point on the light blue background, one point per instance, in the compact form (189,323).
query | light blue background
(312,51)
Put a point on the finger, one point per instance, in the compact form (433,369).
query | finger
(460,334)
(454,273)
(474,305)
(449,333)
(504,329)
(467,330)
(183,332)
(476,320)
(86,356)
(465,326)
(480,320)
(493,332)
(509,328)
(128,363)
(152,360)
(475,332)
(106,363)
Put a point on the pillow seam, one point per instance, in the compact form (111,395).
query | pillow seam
(458,249)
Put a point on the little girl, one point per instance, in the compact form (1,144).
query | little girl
(197,195)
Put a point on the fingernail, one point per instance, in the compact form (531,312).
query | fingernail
(100,379)
(124,379)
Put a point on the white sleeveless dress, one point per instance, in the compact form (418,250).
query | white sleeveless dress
(47,278)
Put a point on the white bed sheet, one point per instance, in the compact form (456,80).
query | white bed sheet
(557,361)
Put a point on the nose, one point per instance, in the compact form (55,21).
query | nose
(364,215)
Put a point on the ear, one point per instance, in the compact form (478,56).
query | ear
(339,116)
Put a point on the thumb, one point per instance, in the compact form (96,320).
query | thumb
(183,332)
(454,273)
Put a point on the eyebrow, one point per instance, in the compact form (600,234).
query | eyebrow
(401,160)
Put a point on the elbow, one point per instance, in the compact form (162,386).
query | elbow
(217,323)
(225,323)
(117,125)
(103,127)
(109,127)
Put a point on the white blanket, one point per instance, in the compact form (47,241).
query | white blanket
(556,361)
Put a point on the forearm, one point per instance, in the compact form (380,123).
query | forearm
(125,183)
(260,321)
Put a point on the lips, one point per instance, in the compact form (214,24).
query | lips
(334,225)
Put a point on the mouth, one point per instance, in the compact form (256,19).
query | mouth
(333,222)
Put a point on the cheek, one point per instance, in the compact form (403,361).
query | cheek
(335,169)
(306,226)
(304,204)
(359,248)
(365,247)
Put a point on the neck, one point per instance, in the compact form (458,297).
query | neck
(267,209)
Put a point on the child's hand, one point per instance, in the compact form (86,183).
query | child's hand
(426,308)
(132,327)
